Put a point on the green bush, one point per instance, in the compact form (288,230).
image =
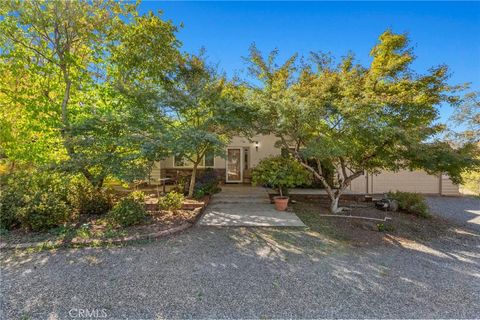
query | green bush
(87,200)
(206,184)
(171,201)
(411,202)
(127,212)
(385,227)
(35,200)
(137,196)
(11,200)
(280,172)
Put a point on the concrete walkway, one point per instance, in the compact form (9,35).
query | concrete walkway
(241,205)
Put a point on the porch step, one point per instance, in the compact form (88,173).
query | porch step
(240,200)
(243,205)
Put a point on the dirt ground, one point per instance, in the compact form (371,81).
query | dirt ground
(97,227)
(361,232)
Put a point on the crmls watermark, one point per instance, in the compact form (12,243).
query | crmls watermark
(87,313)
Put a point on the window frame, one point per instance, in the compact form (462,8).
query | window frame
(189,164)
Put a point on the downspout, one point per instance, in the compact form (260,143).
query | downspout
(366,180)
(440,184)
(371,183)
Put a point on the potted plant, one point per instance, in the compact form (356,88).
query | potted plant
(280,172)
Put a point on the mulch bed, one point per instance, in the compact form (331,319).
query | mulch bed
(359,232)
(158,223)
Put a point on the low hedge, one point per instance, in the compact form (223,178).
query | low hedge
(128,211)
(411,202)
(35,200)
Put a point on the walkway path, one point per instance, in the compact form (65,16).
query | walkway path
(240,205)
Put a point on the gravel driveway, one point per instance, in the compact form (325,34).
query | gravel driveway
(209,272)
(464,211)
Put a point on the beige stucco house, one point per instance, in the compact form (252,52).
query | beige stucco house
(244,154)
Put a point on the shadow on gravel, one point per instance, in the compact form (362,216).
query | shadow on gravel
(212,272)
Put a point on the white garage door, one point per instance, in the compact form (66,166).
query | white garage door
(410,181)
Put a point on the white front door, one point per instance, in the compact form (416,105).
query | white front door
(234,165)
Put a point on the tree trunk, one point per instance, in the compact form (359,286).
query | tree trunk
(191,188)
(334,195)
(281,191)
(334,205)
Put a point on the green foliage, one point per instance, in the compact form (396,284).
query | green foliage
(472,181)
(83,95)
(171,201)
(411,202)
(182,185)
(357,118)
(208,111)
(35,200)
(467,117)
(88,200)
(385,227)
(280,172)
(84,231)
(206,184)
(138,196)
(127,212)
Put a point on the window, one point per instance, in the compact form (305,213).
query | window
(207,161)
(180,161)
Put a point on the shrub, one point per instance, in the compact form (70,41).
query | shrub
(411,202)
(127,212)
(87,200)
(138,196)
(35,200)
(385,227)
(11,200)
(182,185)
(171,201)
(280,172)
(206,184)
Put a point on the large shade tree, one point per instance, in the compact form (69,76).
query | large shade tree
(356,119)
(205,111)
(80,81)
(466,121)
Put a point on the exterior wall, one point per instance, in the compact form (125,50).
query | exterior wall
(175,173)
(266,148)
(448,188)
(155,174)
(359,185)
(405,180)
(410,181)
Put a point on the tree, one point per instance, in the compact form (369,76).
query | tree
(205,112)
(80,85)
(281,172)
(466,119)
(357,119)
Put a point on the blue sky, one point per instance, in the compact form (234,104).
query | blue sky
(440,32)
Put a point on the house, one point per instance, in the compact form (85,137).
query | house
(244,154)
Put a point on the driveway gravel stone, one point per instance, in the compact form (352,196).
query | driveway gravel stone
(464,211)
(209,272)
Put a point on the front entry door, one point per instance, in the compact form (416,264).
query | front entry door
(234,165)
